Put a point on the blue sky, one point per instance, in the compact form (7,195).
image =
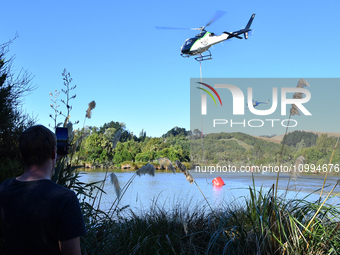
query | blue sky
(135,73)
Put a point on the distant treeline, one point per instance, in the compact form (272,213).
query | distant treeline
(242,149)
(96,145)
(301,139)
(180,144)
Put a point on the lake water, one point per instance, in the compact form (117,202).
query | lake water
(169,189)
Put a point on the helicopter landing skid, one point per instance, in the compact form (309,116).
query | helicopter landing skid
(185,55)
(204,57)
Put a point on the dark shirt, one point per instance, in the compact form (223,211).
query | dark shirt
(36,215)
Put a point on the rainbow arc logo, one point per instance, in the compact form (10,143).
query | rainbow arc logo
(208,92)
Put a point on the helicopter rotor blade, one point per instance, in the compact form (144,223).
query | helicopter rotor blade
(217,15)
(180,28)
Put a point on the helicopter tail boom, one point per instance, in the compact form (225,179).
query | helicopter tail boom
(242,31)
(231,34)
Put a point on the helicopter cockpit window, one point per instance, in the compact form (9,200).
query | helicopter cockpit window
(201,34)
(187,45)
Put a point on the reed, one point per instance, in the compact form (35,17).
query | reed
(293,111)
(328,168)
(115,182)
(146,169)
(166,163)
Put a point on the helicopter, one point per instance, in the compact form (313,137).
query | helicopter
(256,103)
(204,40)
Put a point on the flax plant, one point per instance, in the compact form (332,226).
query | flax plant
(67,83)
(54,106)
(65,174)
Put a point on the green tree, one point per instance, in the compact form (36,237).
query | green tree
(177,131)
(142,135)
(92,147)
(145,156)
(325,143)
(293,138)
(126,134)
(313,154)
(196,134)
(152,145)
(300,145)
(110,133)
(12,118)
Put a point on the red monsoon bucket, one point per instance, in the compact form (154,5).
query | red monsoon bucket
(218,181)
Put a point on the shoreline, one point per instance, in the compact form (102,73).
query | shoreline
(213,173)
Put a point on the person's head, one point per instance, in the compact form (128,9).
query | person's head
(37,145)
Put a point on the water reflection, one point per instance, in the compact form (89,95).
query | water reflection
(218,195)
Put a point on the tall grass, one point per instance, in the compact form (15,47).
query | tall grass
(258,224)
(261,223)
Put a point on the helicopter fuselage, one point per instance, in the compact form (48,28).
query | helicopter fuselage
(204,40)
(201,43)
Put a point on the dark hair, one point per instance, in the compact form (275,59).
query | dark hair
(36,145)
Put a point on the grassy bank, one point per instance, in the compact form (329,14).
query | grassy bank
(260,224)
(126,165)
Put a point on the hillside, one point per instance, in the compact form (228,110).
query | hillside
(272,139)
(277,139)
(243,149)
(243,144)
(233,148)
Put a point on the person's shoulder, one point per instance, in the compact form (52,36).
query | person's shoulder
(6,183)
(60,189)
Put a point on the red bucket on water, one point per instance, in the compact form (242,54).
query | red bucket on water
(218,181)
